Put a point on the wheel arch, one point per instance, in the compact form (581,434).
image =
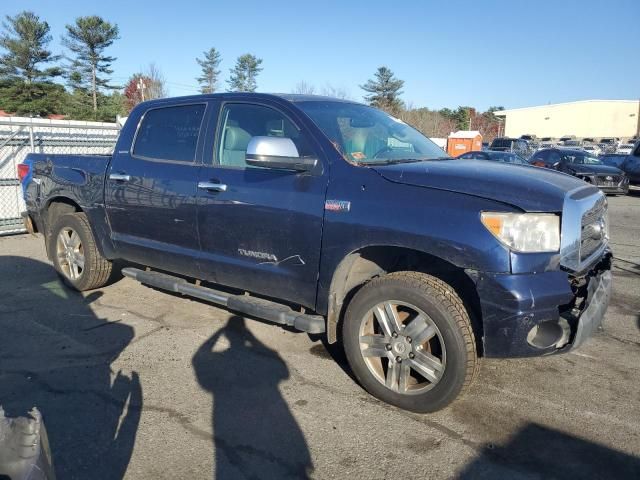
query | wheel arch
(360,266)
(54,208)
(59,206)
(98,222)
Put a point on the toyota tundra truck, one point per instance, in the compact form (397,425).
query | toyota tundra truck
(334,218)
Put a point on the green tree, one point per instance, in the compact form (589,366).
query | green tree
(77,107)
(87,39)
(26,79)
(384,91)
(209,79)
(460,116)
(37,99)
(112,106)
(243,75)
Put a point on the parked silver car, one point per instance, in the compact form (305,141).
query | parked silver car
(625,148)
(594,150)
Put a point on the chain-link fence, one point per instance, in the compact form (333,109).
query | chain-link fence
(20,136)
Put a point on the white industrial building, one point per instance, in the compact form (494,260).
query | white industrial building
(584,119)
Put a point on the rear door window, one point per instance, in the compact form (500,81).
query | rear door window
(170,133)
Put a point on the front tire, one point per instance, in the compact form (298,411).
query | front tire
(75,255)
(409,341)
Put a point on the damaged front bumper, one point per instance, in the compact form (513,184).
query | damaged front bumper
(24,448)
(542,313)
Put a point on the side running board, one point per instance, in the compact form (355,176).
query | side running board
(257,307)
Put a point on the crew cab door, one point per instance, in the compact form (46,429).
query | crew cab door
(260,228)
(150,190)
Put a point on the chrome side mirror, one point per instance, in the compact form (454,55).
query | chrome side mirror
(277,152)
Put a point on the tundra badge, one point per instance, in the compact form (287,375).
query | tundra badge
(337,205)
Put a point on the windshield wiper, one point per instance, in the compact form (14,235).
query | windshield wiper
(393,161)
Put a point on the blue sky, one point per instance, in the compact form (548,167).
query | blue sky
(476,53)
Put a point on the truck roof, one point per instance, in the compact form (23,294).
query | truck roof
(291,97)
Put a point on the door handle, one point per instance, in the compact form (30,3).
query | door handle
(211,186)
(119,177)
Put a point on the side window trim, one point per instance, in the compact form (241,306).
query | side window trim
(219,130)
(166,160)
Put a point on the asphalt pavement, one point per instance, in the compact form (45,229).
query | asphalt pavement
(139,384)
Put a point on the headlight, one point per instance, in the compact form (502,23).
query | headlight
(525,232)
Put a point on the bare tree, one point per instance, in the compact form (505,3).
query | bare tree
(430,122)
(157,85)
(336,92)
(304,88)
(147,84)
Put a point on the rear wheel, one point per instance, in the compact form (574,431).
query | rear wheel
(409,341)
(75,255)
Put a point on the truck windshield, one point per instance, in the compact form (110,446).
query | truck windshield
(366,135)
(582,159)
(501,143)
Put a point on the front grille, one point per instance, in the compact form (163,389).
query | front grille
(594,229)
(584,231)
(608,180)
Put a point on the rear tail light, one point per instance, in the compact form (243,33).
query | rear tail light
(23,171)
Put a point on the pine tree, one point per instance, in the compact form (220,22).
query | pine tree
(87,39)
(384,91)
(209,78)
(26,81)
(36,99)
(243,75)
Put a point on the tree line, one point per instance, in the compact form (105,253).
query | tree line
(384,91)
(29,70)
(77,83)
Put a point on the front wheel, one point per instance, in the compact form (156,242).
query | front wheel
(409,341)
(75,255)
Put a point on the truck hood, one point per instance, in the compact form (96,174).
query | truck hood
(529,188)
(586,169)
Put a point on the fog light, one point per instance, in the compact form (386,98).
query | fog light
(551,333)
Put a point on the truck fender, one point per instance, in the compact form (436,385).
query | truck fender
(352,271)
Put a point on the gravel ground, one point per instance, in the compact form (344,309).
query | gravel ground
(139,384)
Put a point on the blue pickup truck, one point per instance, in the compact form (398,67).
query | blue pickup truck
(629,164)
(334,218)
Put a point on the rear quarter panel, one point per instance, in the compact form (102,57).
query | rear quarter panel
(75,178)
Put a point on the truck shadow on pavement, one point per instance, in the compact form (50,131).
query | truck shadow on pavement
(255,433)
(537,451)
(56,354)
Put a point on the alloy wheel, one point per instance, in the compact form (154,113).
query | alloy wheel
(402,347)
(70,253)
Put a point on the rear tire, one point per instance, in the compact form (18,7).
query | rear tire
(75,255)
(408,339)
